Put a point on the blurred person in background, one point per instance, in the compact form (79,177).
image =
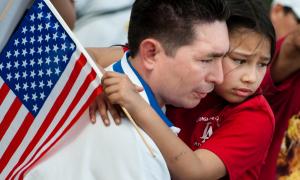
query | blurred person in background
(67,11)
(102,23)
(285,15)
(281,88)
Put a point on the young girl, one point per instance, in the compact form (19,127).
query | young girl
(233,126)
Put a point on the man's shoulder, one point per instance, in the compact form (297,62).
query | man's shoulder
(100,151)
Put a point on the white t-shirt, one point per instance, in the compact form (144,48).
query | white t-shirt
(93,151)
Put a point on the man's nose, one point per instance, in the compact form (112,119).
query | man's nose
(216,75)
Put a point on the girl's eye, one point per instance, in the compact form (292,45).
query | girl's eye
(263,64)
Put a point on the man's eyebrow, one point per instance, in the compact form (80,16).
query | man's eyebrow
(214,55)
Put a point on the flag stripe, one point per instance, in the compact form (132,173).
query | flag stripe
(6,104)
(75,101)
(3,92)
(97,91)
(9,117)
(61,98)
(16,141)
(10,133)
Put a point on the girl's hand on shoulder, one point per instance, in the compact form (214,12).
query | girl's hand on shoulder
(102,105)
(120,90)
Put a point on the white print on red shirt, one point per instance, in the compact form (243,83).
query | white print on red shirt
(205,127)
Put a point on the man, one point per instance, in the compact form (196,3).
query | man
(282,83)
(176,58)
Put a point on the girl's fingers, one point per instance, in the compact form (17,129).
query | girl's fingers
(102,109)
(114,113)
(138,88)
(111,89)
(92,112)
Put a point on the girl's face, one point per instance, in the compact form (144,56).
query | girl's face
(244,66)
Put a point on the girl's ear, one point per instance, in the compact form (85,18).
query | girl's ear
(149,51)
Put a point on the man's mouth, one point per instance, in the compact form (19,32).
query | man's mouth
(200,95)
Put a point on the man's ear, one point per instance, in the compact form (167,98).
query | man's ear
(149,52)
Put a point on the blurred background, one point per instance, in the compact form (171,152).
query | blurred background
(102,22)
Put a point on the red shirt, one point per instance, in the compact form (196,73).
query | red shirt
(284,99)
(239,134)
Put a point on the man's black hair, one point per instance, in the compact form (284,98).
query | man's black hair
(171,22)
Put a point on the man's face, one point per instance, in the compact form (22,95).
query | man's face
(186,77)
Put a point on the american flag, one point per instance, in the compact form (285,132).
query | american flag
(46,84)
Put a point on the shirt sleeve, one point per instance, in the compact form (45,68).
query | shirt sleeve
(243,139)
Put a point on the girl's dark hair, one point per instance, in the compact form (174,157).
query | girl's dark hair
(253,15)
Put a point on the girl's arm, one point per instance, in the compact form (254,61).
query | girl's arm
(106,56)
(182,162)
